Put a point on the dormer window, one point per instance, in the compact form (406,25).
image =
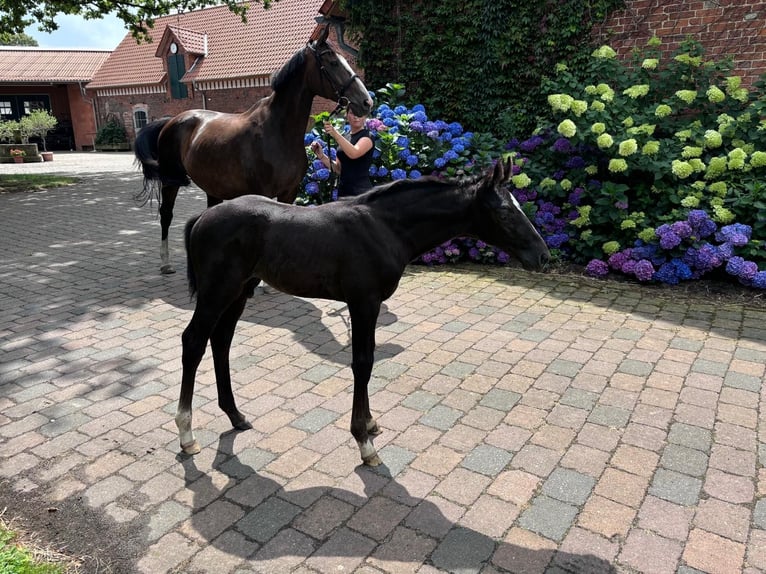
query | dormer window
(176,70)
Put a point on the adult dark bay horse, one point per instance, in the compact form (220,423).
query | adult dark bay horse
(353,250)
(259,151)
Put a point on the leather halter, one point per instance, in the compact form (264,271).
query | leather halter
(324,74)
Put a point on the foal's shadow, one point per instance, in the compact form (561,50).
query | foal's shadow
(303,318)
(296,525)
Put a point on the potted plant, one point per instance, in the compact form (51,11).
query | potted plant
(18,155)
(38,124)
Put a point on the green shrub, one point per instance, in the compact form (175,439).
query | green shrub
(112,132)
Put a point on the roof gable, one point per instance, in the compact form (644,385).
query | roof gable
(234,49)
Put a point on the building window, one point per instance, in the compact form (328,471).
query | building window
(6,110)
(176,70)
(139,119)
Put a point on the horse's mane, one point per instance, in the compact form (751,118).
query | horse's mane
(405,186)
(281,76)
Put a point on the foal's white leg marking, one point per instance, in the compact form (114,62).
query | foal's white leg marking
(166,268)
(184,422)
(369,456)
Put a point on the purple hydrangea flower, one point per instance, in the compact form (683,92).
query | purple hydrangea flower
(644,270)
(530,144)
(597,268)
(562,145)
(682,229)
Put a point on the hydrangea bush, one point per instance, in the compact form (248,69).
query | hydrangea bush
(631,159)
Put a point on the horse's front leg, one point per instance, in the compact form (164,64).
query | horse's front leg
(220,342)
(363,320)
(167,202)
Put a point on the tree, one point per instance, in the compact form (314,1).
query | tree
(138,15)
(7,39)
(38,124)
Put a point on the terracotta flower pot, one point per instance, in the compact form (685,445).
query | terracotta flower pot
(18,159)
(47,155)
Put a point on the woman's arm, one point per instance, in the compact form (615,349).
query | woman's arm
(352,150)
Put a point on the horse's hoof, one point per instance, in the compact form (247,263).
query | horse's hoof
(242,425)
(191,448)
(373,460)
(167,269)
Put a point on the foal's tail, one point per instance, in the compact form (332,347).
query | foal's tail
(191,278)
(146,149)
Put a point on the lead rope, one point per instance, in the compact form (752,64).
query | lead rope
(342,104)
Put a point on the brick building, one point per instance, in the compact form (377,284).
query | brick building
(723,27)
(206,59)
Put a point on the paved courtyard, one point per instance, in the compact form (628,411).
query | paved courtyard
(531,422)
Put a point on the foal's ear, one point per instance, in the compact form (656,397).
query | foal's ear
(501,172)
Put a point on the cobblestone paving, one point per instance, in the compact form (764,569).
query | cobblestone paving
(531,422)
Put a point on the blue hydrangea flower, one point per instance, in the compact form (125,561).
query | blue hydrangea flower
(419,116)
(415,174)
(312,188)
(398,174)
(412,160)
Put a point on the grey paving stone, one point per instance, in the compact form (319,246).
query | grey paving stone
(395,460)
(315,420)
(246,462)
(742,381)
(628,334)
(579,398)
(165,517)
(500,399)
(268,518)
(676,487)
(690,436)
(564,368)
(458,369)
(709,367)
(320,373)
(441,417)
(389,370)
(569,486)
(684,460)
(421,400)
(535,335)
(685,344)
(609,416)
(549,517)
(456,326)
(759,513)
(463,551)
(633,367)
(486,459)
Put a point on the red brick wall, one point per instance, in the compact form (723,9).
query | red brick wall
(724,27)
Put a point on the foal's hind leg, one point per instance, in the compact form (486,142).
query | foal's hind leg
(194,340)
(220,342)
(169,194)
(363,319)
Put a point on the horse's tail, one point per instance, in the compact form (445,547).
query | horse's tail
(146,148)
(190,277)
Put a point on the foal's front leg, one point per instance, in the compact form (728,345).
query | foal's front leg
(220,343)
(363,320)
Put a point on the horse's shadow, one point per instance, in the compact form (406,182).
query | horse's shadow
(274,309)
(309,523)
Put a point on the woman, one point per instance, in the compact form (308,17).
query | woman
(354,156)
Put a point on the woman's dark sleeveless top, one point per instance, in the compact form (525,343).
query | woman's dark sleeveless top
(355,173)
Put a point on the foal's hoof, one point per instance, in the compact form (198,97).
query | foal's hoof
(167,269)
(373,460)
(191,448)
(242,425)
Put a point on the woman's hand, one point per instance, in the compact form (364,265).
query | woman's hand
(316,147)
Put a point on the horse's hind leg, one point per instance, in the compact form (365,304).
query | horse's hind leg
(220,342)
(169,194)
